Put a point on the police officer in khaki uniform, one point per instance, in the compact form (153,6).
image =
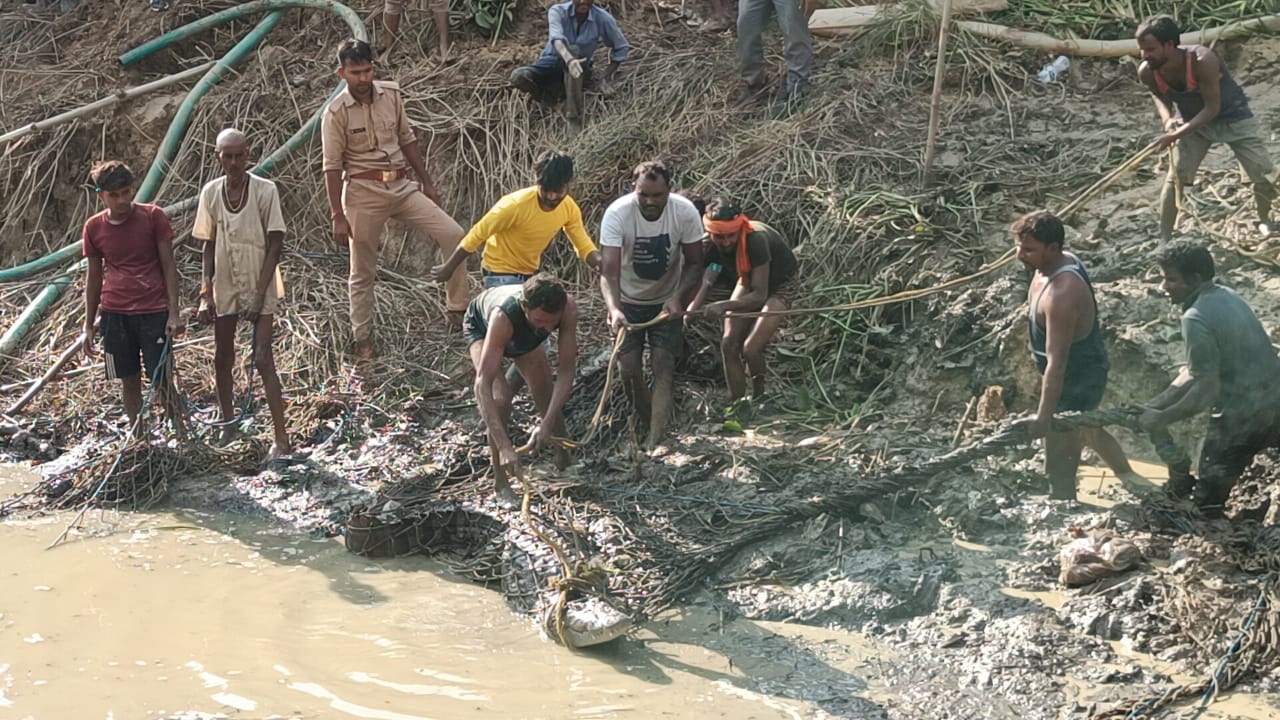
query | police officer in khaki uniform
(370,152)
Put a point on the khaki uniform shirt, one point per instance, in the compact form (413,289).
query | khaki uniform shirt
(240,243)
(366,136)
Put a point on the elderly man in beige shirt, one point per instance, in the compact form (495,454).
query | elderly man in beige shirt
(370,154)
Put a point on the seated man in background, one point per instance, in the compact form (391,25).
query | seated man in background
(512,321)
(760,264)
(1232,371)
(574,30)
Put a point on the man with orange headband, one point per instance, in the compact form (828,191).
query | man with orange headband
(757,262)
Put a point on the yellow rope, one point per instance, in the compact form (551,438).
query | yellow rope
(1257,256)
(1080,199)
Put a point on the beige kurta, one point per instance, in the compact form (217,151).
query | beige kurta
(240,243)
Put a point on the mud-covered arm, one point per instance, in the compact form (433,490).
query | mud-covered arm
(1059,320)
(1196,388)
(749,297)
(567,351)
(487,372)
(690,270)
(611,285)
(709,277)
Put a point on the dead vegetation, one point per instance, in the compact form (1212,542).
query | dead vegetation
(839,173)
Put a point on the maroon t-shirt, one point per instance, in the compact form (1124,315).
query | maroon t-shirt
(133,282)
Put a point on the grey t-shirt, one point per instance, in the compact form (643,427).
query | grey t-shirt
(1223,336)
(652,252)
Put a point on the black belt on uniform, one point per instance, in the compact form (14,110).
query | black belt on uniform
(488,273)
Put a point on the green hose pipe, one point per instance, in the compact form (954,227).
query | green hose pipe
(47,297)
(178,126)
(349,16)
(36,309)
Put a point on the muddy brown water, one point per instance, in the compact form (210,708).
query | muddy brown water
(194,615)
(158,614)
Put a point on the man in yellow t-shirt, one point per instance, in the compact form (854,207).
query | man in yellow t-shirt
(517,230)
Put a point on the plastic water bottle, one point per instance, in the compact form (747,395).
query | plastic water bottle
(1054,70)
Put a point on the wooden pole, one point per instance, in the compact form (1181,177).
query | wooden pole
(935,105)
(97,105)
(48,376)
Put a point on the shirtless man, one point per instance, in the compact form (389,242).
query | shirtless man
(1066,342)
(1200,104)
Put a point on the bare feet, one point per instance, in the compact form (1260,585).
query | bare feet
(454,319)
(279,450)
(364,350)
(507,497)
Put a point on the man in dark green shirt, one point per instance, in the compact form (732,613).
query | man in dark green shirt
(759,263)
(1232,371)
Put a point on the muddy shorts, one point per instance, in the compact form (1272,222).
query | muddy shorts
(1229,448)
(667,335)
(131,341)
(1245,139)
(1082,392)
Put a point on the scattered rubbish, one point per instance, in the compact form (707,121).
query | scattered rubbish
(1091,557)
(1054,70)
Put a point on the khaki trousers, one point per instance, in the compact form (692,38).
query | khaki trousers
(368,205)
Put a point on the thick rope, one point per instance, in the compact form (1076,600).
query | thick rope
(1258,256)
(907,295)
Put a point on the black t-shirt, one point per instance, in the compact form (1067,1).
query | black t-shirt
(764,245)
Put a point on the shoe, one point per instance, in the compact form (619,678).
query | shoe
(522,79)
(159,5)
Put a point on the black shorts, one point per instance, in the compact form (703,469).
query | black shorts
(1230,445)
(667,335)
(1083,392)
(126,338)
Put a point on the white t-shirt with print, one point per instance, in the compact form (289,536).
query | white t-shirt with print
(652,257)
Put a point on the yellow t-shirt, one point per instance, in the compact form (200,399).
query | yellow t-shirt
(517,231)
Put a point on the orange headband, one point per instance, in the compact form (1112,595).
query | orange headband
(739,224)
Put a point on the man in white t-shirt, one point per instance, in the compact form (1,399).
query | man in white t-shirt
(240,222)
(651,259)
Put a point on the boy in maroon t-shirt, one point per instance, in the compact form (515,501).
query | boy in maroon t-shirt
(138,294)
